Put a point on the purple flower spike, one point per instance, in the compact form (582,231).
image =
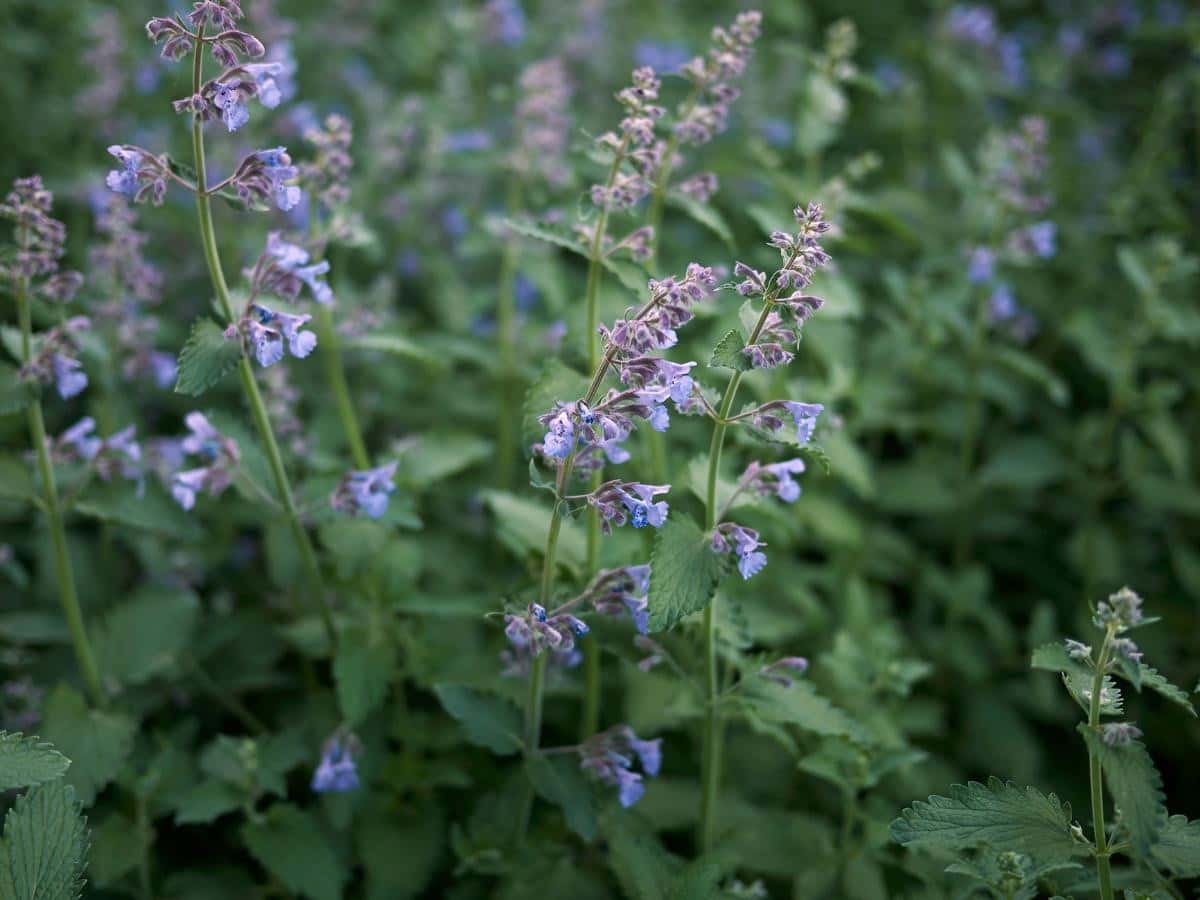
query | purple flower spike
(609,758)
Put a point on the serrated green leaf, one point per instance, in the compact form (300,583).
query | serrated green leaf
(400,851)
(556,382)
(728,353)
(1077,678)
(558,780)
(96,742)
(557,237)
(291,845)
(1135,785)
(16,479)
(206,358)
(522,524)
(44,850)
(999,815)
(799,705)
(644,870)
(362,671)
(684,571)
(153,511)
(28,761)
(488,721)
(1178,847)
(146,635)
(354,544)
(1153,679)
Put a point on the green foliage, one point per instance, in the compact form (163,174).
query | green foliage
(362,671)
(1178,847)
(146,636)
(96,741)
(1135,785)
(487,721)
(44,849)
(558,780)
(291,845)
(684,572)
(998,815)
(206,358)
(728,353)
(27,761)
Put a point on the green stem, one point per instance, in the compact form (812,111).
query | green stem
(595,255)
(506,349)
(1096,776)
(662,182)
(335,374)
(590,720)
(258,409)
(63,569)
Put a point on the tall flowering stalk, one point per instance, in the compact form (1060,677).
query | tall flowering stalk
(266,175)
(45,359)
(580,436)
(777,326)
(704,113)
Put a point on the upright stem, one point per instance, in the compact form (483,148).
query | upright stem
(711,759)
(590,720)
(64,572)
(654,217)
(258,409)
(335,374)
(1096,775)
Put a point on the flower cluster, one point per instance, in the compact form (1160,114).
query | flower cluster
(773,478)
(637,132)
(267,330)
(534,631)
(267,175)
(770,417)
(670,307)
(142,175)
(610,756)
(730,537)
(39,240)
(284,269)
(337,772)
(618,502)
(543,125)
(366,491)
(1120,612)
(220,454)
(615,592)
(712,76)
(974,27)
(54,359)
(116,455)
(328,175)
(1118,734)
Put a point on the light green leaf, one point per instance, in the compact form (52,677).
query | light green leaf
(27,761)
(96,742)
(146,635)
(558,780)
(437,456)
(154,511)
(631,275)
(684,571)
(728,353)
(206,358)
(557,237)
(1135,785)
(291,845)
(488,721)
(707,216)
(1178,847)
(396,345)
(44,850)
(1151,678)
(400,851)
(799,705)
(644,870)
(998,814)
(362,671)
(522,524)
(1035,370)
(353,543)
(16,479)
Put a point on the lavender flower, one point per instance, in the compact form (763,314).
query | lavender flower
(366,491)
(1119,734)
(118,454)
(41,239)
(712,76)
(219,452)
(337,772)
(504,22)
(982,265)
(731,537)
(614,592)
(55,360)
(624,501)
(1121,611)
(228,100)
(782,670)
(543,125)
(281,270)
(1078,649)
(141,176)
(535,631)
(770,417)
(672,307)
(610,756)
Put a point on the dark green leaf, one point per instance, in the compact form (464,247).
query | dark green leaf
(488,721)
(206,358)
(728,353)
(684,571)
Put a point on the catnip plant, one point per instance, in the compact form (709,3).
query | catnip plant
(1016,842)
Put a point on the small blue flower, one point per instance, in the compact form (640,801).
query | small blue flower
(981,266)
(228,99)
(68,378)
(805,417)
(1041,237)
(279,170)
(125,179)
(337,772)
(559,440)
(366,491)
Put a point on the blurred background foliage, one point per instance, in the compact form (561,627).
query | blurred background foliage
(986,483)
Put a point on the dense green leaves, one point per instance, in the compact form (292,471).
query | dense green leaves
(486,720)
(147,635)
(684,571)
(44,849)
(999,815)
(558,779)
(96,741)
(362,670)
(292,846)
(27,761)
(206,358)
